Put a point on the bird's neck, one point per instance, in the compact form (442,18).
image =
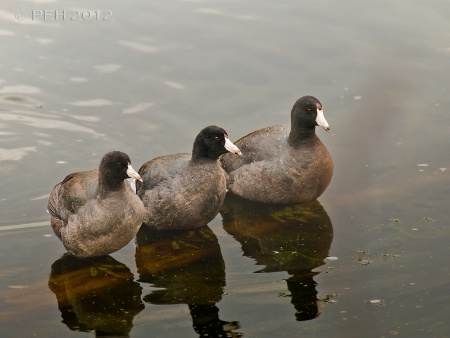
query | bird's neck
(108,183)
(300,136)
(203,159)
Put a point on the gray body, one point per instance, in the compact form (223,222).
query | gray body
(272,171)
(180,192)
(91,225)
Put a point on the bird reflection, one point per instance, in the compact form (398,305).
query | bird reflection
(293,238)
(189,268)
(97,294)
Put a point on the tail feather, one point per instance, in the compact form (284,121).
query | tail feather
(53,202)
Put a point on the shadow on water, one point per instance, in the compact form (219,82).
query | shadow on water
(295,239)
(189,269)
(96,295)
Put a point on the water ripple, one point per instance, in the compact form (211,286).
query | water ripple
(43,123)
(15,154)
(22,226)
(93,103)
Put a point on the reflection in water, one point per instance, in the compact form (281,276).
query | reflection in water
(294,238)
(189,267)
(96,294)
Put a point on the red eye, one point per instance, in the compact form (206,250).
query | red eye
(309,110)
(217,138)
(119,165)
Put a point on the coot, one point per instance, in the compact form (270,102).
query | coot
(184,191)
(282,164)
(95,213)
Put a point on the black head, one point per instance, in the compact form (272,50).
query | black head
(212,142)
(304,112)
(115,167)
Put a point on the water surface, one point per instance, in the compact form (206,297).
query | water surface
(368,259)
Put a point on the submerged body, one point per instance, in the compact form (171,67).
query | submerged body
(283,164)
(95,213)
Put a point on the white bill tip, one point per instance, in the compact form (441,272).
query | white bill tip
(133,173)
(320,120)
(231,147)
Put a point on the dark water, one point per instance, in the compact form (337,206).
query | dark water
(369,259)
